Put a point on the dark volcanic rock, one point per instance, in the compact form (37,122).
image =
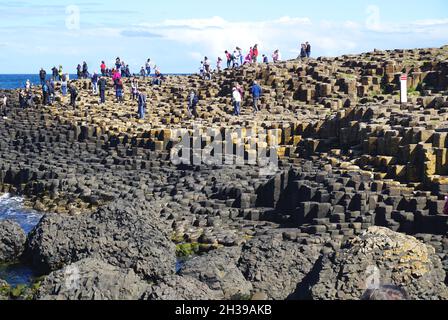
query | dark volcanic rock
(92,279)
(12,241)
(118,234)
(182,288)
(275,267)
(400,260)
(219,271)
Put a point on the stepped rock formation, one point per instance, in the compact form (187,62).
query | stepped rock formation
(351,157)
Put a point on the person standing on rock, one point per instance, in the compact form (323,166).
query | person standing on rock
(143,72)
(79,71)
(85,70)
(73,95)
(55,73)
(95,83)
(276,56)
(148,67)
(45,93)
(193,101)
(134,89)
(141,105)
(208,73)
(64,86)
(42,76)
(303,51)
(61,72)
(265,59)
(308,49)
(22,99)
(103,68)
(236,95)
(52,91)
(256,94)
(4,106)
(102,85)
(255,54)
(219,65)
(117,64)
(28,85)
(229,59)
(119,91)
(240,55)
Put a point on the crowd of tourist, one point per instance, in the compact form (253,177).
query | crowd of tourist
(121,70)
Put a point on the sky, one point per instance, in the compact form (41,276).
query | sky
(177,34)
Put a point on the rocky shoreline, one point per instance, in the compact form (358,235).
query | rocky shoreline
(357,172)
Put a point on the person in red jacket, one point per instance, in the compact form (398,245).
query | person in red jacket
(255,53)
(103,68)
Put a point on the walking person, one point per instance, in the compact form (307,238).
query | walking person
(141,105)
(95,83)
(42,76)
(193,101)
(236,95)
(256,94)
(73,95)
(308,49)
(102,84)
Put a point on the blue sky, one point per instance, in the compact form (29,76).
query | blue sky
(175,34)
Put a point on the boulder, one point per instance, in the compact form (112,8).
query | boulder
(181,288)
(219,271)
(12,241)
(275,267)
(377,258)
(118,234)
(92,279)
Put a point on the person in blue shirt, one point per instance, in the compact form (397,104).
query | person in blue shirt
(256,94)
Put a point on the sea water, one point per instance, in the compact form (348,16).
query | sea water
(12,208)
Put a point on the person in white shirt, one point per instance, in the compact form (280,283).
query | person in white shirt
(236,95)
(3,108)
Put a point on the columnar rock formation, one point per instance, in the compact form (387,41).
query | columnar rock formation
(351,158)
